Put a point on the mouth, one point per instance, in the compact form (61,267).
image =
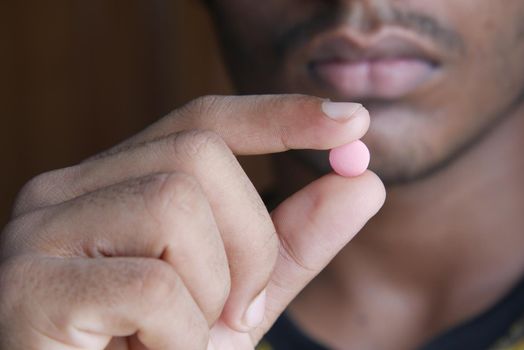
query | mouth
(388,66)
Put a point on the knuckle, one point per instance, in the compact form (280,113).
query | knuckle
(183,193)
(41,190)
(159,283)
(202,110)
(203,105)
(32,193)
(174,192)
(199,144)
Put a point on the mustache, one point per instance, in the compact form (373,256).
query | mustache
(329,18)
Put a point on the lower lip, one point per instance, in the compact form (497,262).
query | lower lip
(374,79)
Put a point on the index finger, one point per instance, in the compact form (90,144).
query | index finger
(263,124)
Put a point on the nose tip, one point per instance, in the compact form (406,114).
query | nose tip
(366,15)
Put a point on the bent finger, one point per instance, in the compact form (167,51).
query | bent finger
(92,300)
(244,223)
(161,216)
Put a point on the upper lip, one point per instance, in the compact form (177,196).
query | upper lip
(346,45)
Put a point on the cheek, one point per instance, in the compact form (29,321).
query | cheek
(485,83)
(491,77)
(474,90)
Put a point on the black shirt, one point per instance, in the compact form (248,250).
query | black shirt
(501,327)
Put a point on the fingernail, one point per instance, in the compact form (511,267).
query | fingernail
(340,111)
(255,312)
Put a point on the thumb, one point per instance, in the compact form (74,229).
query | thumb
(314,225)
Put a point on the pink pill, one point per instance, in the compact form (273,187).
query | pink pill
(350,160)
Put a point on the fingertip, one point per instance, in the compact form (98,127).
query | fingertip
(245,317)
(376,191)
(254,314)
(340,111)
(252,317)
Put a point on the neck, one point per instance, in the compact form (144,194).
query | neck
(463,222)
(449,245)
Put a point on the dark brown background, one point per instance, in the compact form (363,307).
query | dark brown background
(78,76)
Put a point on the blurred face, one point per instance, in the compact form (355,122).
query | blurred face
(435,74)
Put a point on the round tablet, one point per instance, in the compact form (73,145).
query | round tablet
(350,160)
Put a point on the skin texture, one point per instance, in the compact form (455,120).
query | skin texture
(480,77)
(162,241)
(113,253)
(447,244)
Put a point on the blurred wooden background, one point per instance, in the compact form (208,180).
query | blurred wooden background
(79,76)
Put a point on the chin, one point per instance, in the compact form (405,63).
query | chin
(399,167)
(406,146)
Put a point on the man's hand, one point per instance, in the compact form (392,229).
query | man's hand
(162,242)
